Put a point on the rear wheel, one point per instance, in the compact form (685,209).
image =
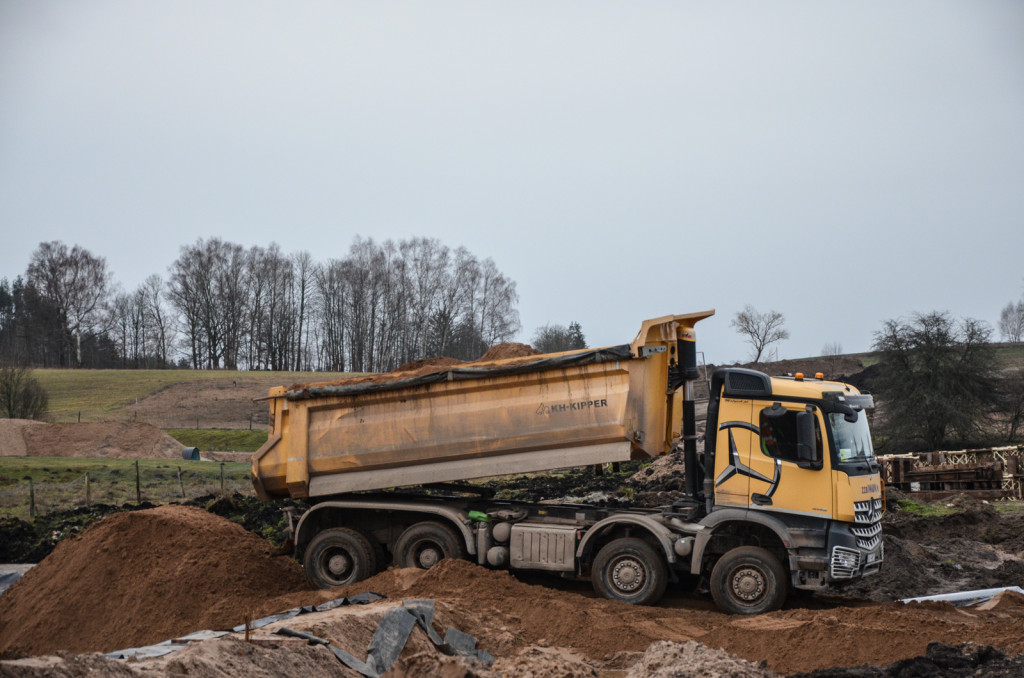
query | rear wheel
(749,580)
(629,570)
(423,545)
(337,557)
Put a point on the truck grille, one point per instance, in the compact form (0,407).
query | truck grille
(845,563)
(868,518)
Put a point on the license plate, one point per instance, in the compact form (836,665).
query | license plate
(872,557)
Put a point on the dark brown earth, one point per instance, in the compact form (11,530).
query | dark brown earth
(146,576)
(508,350)
(141,577)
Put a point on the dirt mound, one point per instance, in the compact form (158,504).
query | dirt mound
(216,403)
(693,660)
(142,577)
(508,350)
(118,440)
(12,436)
(417,365)
(1007,600)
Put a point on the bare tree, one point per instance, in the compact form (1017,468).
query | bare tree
(184,296)
(305,268)
(1011,322)
(157,320)
(760,329)
(77,284)
(496,298)
(330,297)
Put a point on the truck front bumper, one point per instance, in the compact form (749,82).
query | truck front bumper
(851,554)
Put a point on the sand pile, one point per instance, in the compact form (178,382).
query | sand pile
(142,577)
(12,436)
(117,440)
(508,350)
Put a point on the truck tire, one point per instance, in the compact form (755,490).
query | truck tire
(629,570)
(749,580)
(423,545)
(337,557)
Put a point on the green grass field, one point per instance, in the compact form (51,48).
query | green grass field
(232,440)
(59,483)
(96,393)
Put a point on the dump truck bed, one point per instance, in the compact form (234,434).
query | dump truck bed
(476,420)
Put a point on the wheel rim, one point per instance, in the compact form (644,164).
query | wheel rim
(427,555)
(748,584)
(337,565)
(627,574)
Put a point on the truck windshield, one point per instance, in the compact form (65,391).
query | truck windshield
(853,441)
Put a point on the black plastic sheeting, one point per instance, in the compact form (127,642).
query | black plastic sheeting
(393,633)
(169,646)
(7,580)
(361,599)
(389,639)
(591,357)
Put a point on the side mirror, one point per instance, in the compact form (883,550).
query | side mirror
(806,441)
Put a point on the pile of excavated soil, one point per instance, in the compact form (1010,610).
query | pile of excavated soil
(423,367)
(12,436)
(415,365)
(142,577)
(508,350)
(508,615)
(118,440)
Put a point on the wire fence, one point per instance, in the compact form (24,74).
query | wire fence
(256,421)
(133,484)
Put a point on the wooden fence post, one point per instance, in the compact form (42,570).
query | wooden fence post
(138,484)
(181,485)
(222,477)
(31,499)
(88,491)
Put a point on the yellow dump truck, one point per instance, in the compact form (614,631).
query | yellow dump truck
(786,491)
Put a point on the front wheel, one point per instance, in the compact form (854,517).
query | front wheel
(748,580)
(337,557)
(629,570)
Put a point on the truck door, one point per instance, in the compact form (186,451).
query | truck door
(781,479)
(736,437)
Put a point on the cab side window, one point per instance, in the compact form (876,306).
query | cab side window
(778,433)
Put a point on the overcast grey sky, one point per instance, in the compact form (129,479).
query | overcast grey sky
(840,162)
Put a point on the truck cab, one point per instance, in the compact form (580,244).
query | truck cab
(788,469)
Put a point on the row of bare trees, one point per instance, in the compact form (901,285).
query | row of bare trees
(227,306)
